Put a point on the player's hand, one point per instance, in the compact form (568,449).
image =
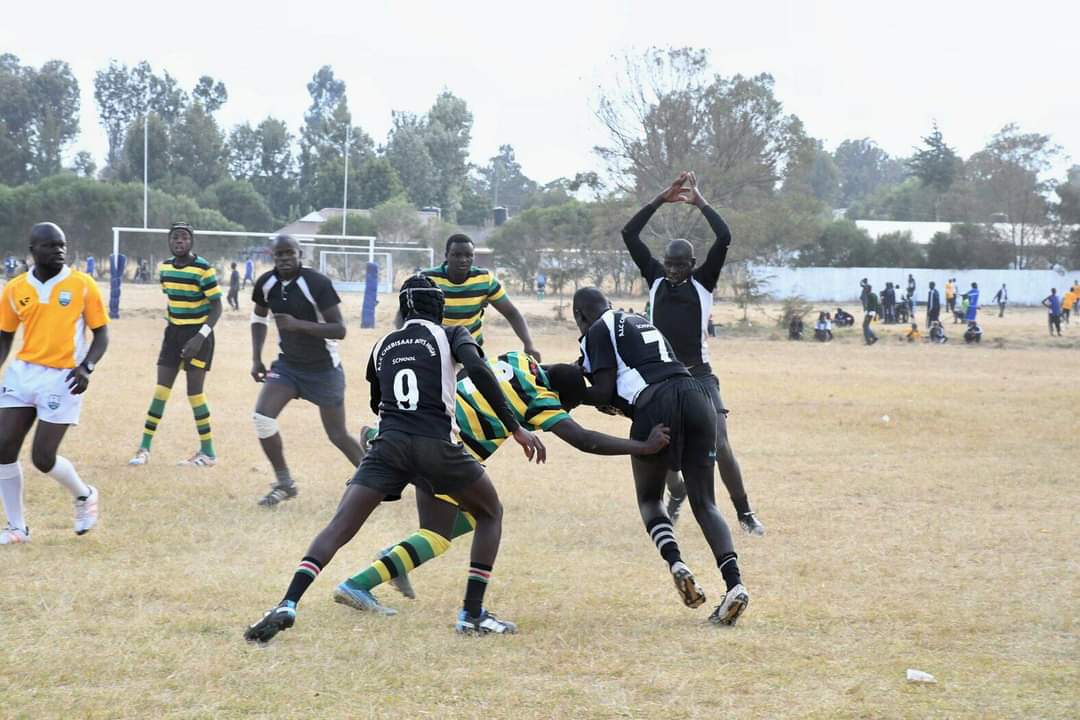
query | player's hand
(694,196)
(659,438)
(676,193)
(531,444)
(531,351)
(258,371)
(192,347)
(78,380)
(285,321)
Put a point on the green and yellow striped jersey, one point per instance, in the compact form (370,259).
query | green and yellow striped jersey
(525,385)
(189,290)
(465,302)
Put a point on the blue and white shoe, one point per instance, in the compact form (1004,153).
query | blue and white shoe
(273,621)
(485,624)
(360,599)
(401,583)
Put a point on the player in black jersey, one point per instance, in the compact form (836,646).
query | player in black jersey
(412,372)
(306,309)
(680,296)
(633,367)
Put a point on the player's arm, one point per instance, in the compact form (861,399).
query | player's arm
(602,391)
(332,329)
(79,377)
(194,344)
(468,354)
(517,321)
(375,398)
(260,319)
(9,323)
(709,271)
(6,341)
(649,266)
(598,443)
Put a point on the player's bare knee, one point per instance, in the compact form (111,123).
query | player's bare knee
(44,460)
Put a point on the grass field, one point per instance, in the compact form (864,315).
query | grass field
(945,540)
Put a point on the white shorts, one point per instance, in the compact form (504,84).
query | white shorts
(43,388)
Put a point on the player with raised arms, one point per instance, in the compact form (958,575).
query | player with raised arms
(412,373)
(633,368)
(680,295)
(540,398)
(193,302)
(46,381)
(306,309)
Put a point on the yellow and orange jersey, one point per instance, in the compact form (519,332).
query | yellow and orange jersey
(55,314)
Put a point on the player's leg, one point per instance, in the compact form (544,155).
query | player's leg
(275,394)
(15,423)
(356,505)
(437,521)
(649,482)
(166,376)
(676,494)
(196,371)
(730,472)
(47,440)
(333,421)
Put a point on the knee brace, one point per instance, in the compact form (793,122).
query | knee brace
(264,426)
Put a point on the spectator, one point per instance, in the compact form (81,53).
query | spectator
(961,313)
(234,288)
(249,273)
(843,318)
(913,335)
(10,266)
(823,328)
(541,285)
(1001,297)
(933,305)
(1067,303)
(902,313)
(888,304)
(864,292)
(950,295)
(795,328)
(972,298)
(871,310)
(911,293)
(1053,306)
(973,334)
(937,333)
(711,327)
(90,266)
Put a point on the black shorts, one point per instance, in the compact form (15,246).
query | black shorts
(397,459)
(711,385)
(173,343)
(684,405)
(325,388)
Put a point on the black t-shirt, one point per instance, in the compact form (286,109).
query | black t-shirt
(305,297)
(638,352)
(413,376)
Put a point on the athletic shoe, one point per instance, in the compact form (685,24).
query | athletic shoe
(14,536)
(485,624)
(279,493)
(367,433)
(751,524)
(86,512)
(691,593)
(360,599)
(674,505)
(142,456)
(727,612)
(401,583)
(199,459)
(273,621)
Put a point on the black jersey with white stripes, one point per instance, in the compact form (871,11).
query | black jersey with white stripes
(306,296)
(681,312)
(413,376)
(635,349)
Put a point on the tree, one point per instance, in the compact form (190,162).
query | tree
(1007,179)
(16,119)
(1068,192)
(408,153)
(263,156)
(968,245)
(813,173)
(211,94)
(356,223)
(448,132)
(197,147)
(39,116)
(396,221)
(130,167)
(935,165)
(238,201)
(84,165)
(377,182)
(502,183)
(897,249)
(841,244)
(864,168)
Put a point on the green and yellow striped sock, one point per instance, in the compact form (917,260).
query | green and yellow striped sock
(201,410)
(153,415)
(402,559)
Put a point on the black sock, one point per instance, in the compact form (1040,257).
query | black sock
(729,568)
(479,577)
(306,572)
(663,535)
(742,505)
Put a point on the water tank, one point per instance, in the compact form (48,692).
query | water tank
(500,215)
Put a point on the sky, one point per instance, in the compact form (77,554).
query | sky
(531,73)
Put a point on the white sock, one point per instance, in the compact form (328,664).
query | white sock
(11,492)
(64,473)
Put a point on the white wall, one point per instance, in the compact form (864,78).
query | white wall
(1025,287)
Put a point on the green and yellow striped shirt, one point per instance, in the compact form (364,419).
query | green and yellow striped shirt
(189,290)
(465,302)
(525,385)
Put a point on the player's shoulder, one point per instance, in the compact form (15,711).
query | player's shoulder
(263,278)
(202,263)
(15,285)
(314,278)
(80,278)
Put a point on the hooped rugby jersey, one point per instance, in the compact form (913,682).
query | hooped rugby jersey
(188,290)
(55,316)
(466,301)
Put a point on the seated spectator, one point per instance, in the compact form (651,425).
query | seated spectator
(843,319)
(823,328)
(973,334)
(903,313)
(795,329)
(937,333)
(913,335)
